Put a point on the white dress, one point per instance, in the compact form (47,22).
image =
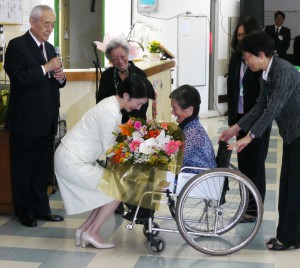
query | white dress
(76,169)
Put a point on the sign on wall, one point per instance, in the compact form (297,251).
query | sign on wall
(11,12)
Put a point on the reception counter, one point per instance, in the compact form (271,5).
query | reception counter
(79,94)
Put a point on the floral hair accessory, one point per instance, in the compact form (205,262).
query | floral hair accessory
(147,142)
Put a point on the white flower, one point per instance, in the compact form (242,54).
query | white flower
(137,136)
(162,139)
(148,146)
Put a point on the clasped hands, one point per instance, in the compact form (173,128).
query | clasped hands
(239,145)
(55,66)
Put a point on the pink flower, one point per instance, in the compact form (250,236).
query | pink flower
(164,125)
(137,125)
(172,147)
(134,146)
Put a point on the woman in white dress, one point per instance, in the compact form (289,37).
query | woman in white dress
(76,169)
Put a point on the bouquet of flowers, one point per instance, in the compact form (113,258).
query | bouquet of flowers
(146,142)
(138,162)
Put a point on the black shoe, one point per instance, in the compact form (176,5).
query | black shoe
(28,221)
(273,244)
(120,209)
(51,217)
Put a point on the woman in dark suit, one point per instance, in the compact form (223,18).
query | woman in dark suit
(243,89)
(279,101)
(36,75)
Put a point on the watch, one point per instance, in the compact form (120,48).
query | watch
(251,135)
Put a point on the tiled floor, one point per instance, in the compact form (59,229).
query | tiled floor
(52,244)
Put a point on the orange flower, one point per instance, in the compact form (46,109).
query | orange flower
(125,130)
(153,133)
(164,126)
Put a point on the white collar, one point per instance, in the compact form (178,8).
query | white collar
(34,38)
(266,73)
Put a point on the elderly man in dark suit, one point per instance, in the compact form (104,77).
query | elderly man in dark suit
(36,75)
(280,34)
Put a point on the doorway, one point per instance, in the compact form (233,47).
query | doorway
(80,25)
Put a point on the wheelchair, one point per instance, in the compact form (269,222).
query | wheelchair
(208,208)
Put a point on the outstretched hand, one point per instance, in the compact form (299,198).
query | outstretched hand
(240,144)
(227,134)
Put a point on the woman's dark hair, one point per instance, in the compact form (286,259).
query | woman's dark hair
(135,86)
(187,96)
(257,42)
(250,25)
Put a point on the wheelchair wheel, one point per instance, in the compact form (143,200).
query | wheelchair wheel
(157,246)
(210,207)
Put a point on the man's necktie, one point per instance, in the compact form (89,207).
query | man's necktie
(42,51)
(277,31)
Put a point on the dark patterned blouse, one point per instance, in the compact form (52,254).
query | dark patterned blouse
(198,149)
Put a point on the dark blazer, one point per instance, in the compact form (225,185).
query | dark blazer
(34,97)
(296,50)
(251,160)
(282,41)
(251,88)
(279,100)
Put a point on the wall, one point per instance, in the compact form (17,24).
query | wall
(162,25)
(225,9)
(84,29)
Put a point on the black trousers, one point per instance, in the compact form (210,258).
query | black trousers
(251,162)
(30,165)
(288,229)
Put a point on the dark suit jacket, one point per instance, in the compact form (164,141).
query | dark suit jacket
(283,91)
(282,41)
(296,51)
(34,97)
(251,88)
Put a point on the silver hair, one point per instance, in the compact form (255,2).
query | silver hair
(37,12)
(115,43)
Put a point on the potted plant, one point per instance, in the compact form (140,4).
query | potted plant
(3,106)
(154,50)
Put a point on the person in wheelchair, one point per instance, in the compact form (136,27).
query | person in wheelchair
(198,149)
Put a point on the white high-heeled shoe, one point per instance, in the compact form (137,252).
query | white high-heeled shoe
(78,237)
(86,239)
